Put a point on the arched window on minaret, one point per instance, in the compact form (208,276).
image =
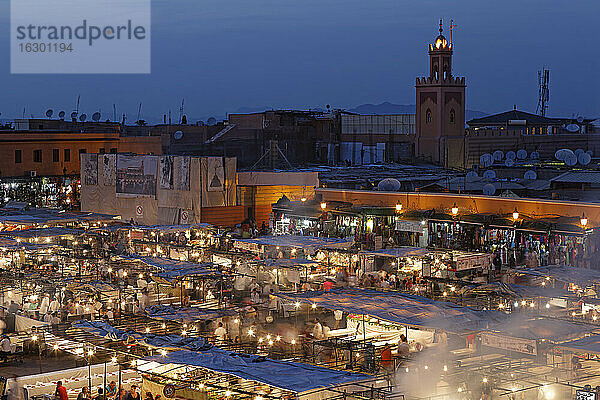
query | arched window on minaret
(428,116)
(452,116)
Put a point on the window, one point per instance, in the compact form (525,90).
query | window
(18,157)
(428,116)
(55,155)
(452,116)
(37,156)
(67,155)
(113,150)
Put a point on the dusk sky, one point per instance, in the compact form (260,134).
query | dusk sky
(221,55)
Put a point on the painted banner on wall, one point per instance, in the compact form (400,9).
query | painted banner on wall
(166,172)
(182,181)
(136,175)
(90,168)
(215,174)
(109,169)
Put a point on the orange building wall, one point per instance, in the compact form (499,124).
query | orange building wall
(466,203)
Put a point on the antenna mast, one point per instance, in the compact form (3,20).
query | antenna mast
(181,111)
(77,105)
(452,26)
(543,91)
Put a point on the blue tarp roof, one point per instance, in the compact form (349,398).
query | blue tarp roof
(172,228)
(310,243)
(11,244)
(520,291)
(43,232)
(102,329)
(579,276)
(185,314)
(400,308)
(552,329)
(289,262)
(287,375)
(398,252)
(173,269)
(587,344)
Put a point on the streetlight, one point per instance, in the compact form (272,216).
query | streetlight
(398,207)
(454,209)
(515,214)
(323,205)
(583,220)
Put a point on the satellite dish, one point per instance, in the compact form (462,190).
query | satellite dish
(498,155)
(591,153)
(489,189)
(489,174)
(74,114)
(571,159)
(389,185)
(530,175)
(61,115)
(472,176)
(535,155)
(49,113)
(178,135)
(521,154)
(509,162)
(584,158)
(486,160)
(96,116)
(578,152)
(511,154)
(82,117)
(573,128)
(561,154)
(580,119)
(211,121)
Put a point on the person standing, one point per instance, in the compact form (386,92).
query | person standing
(221,333)
(61,391)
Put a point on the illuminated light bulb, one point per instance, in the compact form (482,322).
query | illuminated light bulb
(485,380)
(278,338)
(399,207)
(258,398)
(110,270)
(445,294)
(323,205)
(183,332)
(543,283)
(573,314)
(124,273)
(34,338)
(445,368)
(459,390)
(147,330)
(452,288)
(90,353)
(523,303)
(163,352)
(547,305)
(55,347)
(268,337)
(427,367)
(515,214)
(297,304)
(114,359)
(583,220)
(454,209)
(260,340)
(201,386)
(532,304)
(406,369)
(141,276)
(237,320)
(293,341)
(500,305)
(270,343)
(228,393)
(314,306)
(250,332)
(303,199)
(133,363)
(594,317)
(163,325)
